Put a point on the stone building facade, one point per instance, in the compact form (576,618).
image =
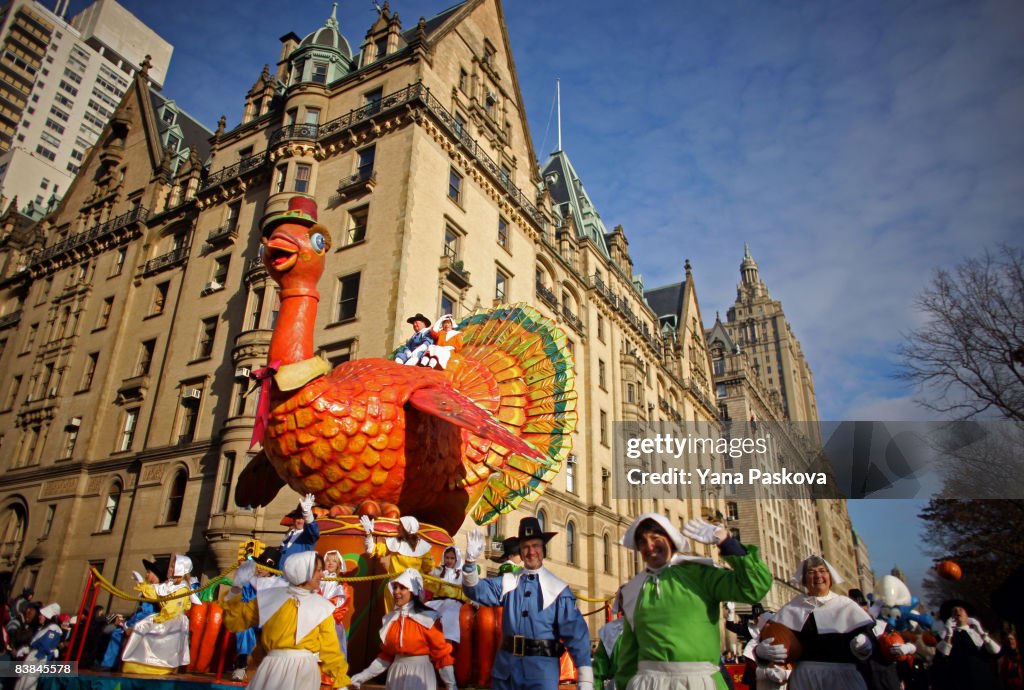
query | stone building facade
(131,315)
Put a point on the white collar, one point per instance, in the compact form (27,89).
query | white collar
(610,634)
(425,618)
(550,585)
(832,613)
(401,547)
(313,608)
(43,630)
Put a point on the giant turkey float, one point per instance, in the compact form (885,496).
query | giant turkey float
(377,438)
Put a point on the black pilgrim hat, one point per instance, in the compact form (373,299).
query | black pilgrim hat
(157,566)
(419,317)
(529,528)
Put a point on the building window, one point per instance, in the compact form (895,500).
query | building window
(605,487)
(500,286)
(720,390)
(70,439)
(105,309)
(732,510)
(365,162)
(602,380)
(372,99)
(110,508)
(607,548)
(280,174)
(30,338)
(570,474)
(503,232)
(173,143)
(256,308)
(631,393)
(234,209)
(176,499)
(145,357)
(451,243)
(228,469)
(447,304)
(90,370)
(207,334)
(119,260)
(168,116)
(542,518)
(604,428)
(339,353)
(131,420)
(312,116)
(455,186)
(570,543)
(463,80)
(320,72)
(159,298)
(220,272)
(357,219)
(190,414)
(302,173)
(51,513)
(348,297)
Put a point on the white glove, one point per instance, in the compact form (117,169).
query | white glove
(950,628)
(378,667)
(704,532)
(474,546)
(776,674)
(244,575)
(730,611)
(775,653)
(861,646)
(903,649)
(585,678)
(367,524)
(307,507)
(138,577)
(447,674)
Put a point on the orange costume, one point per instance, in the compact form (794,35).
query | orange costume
(446,343)
(412,644)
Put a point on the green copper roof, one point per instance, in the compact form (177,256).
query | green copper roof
(570,197)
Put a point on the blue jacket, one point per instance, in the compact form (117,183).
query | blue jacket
(306,541)
(524,614)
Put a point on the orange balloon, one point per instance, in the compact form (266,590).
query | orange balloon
(949,570)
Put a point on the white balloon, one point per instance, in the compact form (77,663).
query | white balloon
(893,592)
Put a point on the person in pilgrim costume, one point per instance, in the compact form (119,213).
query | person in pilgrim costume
(412,643)
(417,344)
(407,550)
(448,595)
(963,658)
(336,592)
(834,632)
(539,620)
(672,608)
(447,341)
(158,644)
(304,531)
(509,559)
(44,647)
(609,638)
(759,674)
(297,626)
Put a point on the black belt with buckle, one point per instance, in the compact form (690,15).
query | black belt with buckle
(524,646)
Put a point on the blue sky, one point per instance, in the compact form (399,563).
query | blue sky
(854,146)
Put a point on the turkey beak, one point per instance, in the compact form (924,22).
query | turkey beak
(280,253)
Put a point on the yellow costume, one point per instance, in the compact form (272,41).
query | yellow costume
(399,554)
(158,644)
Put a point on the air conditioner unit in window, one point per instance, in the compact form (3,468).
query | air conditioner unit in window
(571,459)
(75,422)
(192,394)
(242,373)
(212,286)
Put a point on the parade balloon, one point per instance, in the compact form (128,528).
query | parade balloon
(780,634)
(893,592)
(949,570)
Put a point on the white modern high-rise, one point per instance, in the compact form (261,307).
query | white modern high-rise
(61,82)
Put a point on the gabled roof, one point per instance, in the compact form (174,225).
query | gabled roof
(192,131)
(432,24)
(666,301)
(566,189)
(719,333)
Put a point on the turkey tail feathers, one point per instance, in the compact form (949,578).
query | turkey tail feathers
(517,364)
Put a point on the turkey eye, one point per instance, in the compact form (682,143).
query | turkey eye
(318,241)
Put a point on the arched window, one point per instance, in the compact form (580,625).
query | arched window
(110,507)
(570,543)
(12,535)
(542,518)
(176,499)
(606,542)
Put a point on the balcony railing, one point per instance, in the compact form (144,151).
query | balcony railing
(10,319)
(228,232)
(362,181)
(233,171)
(547,295)
(167,260)
(290,132)
(573,320)
(456,269)
(137,214)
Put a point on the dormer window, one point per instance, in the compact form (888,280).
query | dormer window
(382,47)
(320,72)
(168,116)
(173,143)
